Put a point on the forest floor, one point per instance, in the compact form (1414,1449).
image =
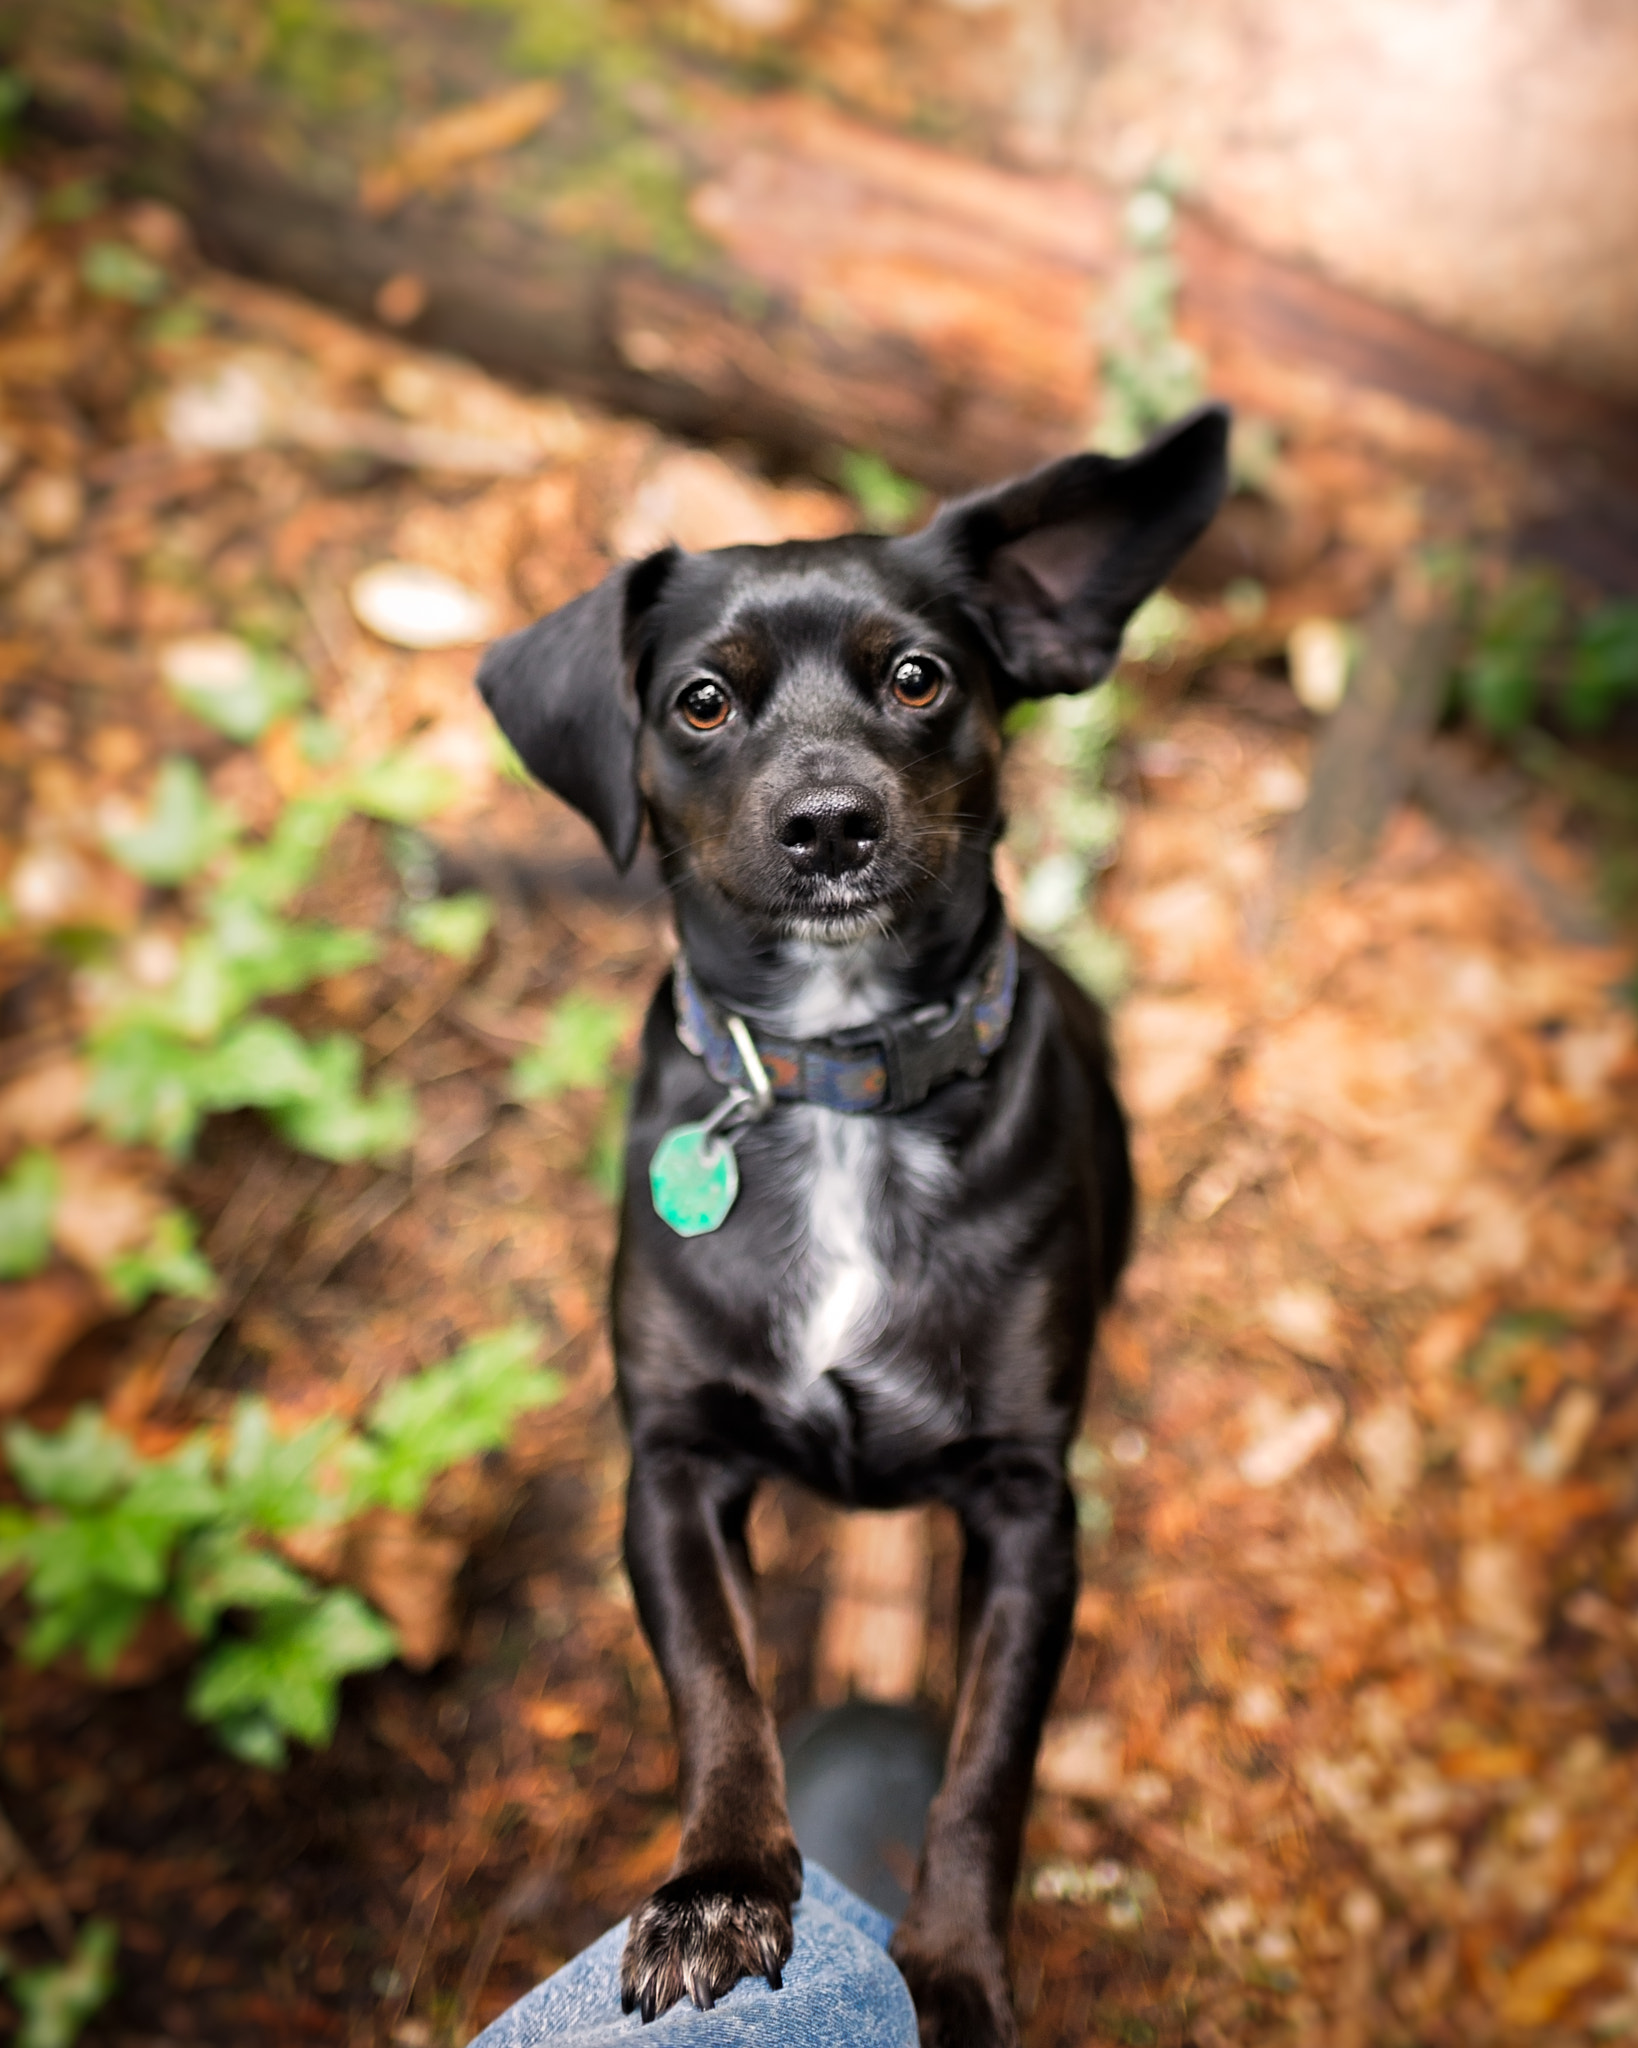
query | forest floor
(1346,1750)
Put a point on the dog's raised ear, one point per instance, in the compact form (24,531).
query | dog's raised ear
(564,692)
(1058,561)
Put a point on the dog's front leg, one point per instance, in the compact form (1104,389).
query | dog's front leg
(725,1911)
(1019,1578)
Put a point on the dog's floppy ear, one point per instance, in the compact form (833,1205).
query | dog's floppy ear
(564,692)
(1058,561)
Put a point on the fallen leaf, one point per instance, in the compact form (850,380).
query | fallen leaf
(39,1319)
(412,606)
(556,1720)
(108,1203)
(1169,1048)
(51,505)
(481,128)
(1285,1445)
(410,1575)
(1548,1977)
(700,501)
(1305,1318)
(640,1869)
(1181,931)
(1501,1592)
(1388,1443)
(1553,1454)
(1489,1764)
(1319,654)
(1082,1757)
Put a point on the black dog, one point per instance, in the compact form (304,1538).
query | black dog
(933,1195)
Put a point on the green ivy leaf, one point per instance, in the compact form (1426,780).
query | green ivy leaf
(114,270)
(106,1547)
(218,1569)
(180,1488)
(1603,666)
(246,953)
(169,1263)
(289,1671)
(272,1482)
(576,1045)
(424,1424)
(1501,682)
(28,1203)
(605,1164)
(94,1571)
(403,789)
(453,925)
(184,827)
(337,1121)
(16,1533)
(253,687)
(78,1466)
(887,502)
(58,1999)
(1500,689)
(254,1738)
(96,1618)
(287,860)
(146,1085)
(260,1064)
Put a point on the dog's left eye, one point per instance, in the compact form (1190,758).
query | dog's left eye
(917,681)
(705,705)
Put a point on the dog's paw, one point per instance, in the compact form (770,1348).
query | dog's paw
(960,1992)
(698,1935)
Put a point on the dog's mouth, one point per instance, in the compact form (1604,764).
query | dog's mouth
(835,911)
(832,911)
(836,928)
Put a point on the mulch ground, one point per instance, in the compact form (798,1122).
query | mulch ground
(1344,1751)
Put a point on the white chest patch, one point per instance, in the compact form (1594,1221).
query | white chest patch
(866,1188)
(844,1297)
(869,1192)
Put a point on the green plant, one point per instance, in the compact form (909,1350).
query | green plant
(1149,374)
(169,1263)
(887,502)
(453,925)
(111,1534)
(57,1999)
(1603,667)
(1501,679)
(168,1048)
(1073,837)
(248,693)
(28,1199)
(114,270)
(14,97)
(1532,652)
(165,1059)
(577,1043)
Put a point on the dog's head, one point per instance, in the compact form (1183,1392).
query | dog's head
(814,729)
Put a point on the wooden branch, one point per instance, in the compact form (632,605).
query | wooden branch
(1374,743)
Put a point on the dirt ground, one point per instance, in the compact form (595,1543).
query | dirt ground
(1344,1751)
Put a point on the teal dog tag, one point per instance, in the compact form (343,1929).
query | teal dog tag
(694,1177)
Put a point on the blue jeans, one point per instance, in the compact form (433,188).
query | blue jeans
(841,1991)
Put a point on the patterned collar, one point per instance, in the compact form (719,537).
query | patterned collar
(891,1063)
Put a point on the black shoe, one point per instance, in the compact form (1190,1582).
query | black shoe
(858,1782)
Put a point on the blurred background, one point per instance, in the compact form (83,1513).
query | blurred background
(337,336)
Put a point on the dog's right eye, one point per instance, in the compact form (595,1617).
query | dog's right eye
(705,705)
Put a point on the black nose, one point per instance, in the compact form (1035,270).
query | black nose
(832,831)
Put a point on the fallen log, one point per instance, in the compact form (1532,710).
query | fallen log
(823,285)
